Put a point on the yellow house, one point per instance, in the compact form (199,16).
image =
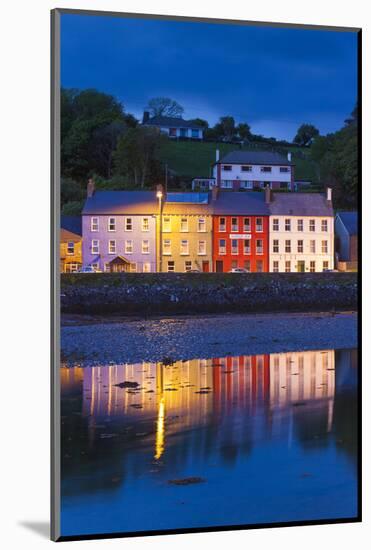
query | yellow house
(70,244)
(185,233)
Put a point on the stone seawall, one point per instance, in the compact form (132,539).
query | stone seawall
(171,294)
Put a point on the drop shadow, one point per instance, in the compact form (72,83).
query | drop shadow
(41,528)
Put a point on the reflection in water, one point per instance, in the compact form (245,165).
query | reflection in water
(237,420)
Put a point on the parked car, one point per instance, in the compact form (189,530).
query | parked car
(238,270)
(88,269)
(193,271)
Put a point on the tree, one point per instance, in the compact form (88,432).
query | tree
(243,130)
(164,106)
(225,128)
(136,157)
(305,134)
(200,122)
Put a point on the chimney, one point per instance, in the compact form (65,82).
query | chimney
(90,190)
(289,156)
(217,155)
(214,192)
(329,194)
(268,195)
(145,117)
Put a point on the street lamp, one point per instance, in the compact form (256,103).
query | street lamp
(159,195)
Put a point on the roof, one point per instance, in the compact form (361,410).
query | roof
(241,203)
(121,202)
(350,221)
(188,203)
(72,224)
(255,157)
(174,122)
(300,204)
(188,198)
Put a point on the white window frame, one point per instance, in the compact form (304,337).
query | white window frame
(187,265)
(128,221)
(259,248)
(247,247)
(288,266)
(276,246)
(145,247)
(246,168)
(275,224)
(276,266)
(324,226)
(110,251)
(184,247)
(300,226)
(201,225)
(325,265)
(172,266)
(312,246)
(312,225)
(94,224)
(166,247)
(69,247)
(95,246)
(129,246)
(300,246)
(287,225)
(201,247)
(222,250)
(184,229)
(222,227)
(145,224)
(247,226)
(234,225)
(312,266)
(288,246)
(234,248)
(324,247)
(166,224)
(259,226)
(111,227)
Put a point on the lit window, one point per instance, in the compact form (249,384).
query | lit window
(324,266)
(287,267)
(221,224)
(166,225)
(107,267)
(312,246)
(222,246)
(247,246)
(133,267)
(275,267)
(145,224)
(128,247)
(246,225)
(234,246)
(128,224)
(184,247)
(287,225)
(312,225)
(111,224)
(201,225)
(259,246)
(94,224)
(145,247)
(70,248)
(170,266)
(300,225)
(111,247)
(95,246)
(312,266)
(324,247)
(276,246)
(184,225)
(146,267)
(201,248)
(259,225)
(287,246)
(167,247)
(187,265)
(324,226)
(276,224)
(234,226)
(300,246)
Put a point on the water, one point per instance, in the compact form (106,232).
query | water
(209,442)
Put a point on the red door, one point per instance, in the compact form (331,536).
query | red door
(205,266)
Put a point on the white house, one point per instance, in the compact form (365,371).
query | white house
(174,127)
(254,169)
(301,232)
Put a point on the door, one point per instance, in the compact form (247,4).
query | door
(205,266)
(301,266)
(219,266)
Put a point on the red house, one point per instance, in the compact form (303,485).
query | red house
(240,231)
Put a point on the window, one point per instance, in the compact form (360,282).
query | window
(221,224)
(107,267)
(111,224)
(222,246)
(300,247)
(234,245)
(226,184)
(287,246)
(184,247)
(183,132)
(312,266)
(195,133)
(95,266)
(133,267)
(94,224)
(265,169)
(312,225)
(312,247)
(244,184)
(300,225)
(324,266)
(201,226)
(247,246)
(145,246)
(276,246)
(287,224)
(247,265)
(259,246)
(234,264)
(128,224)
(247,225)
(227,168)
(276,224)
(202,248)
(170,266)
(166,227)
(246,168)
(146,267)
(259,225)
(187,265)
(234,224)
(111,247)
(145,224)
(95,246)
(324,247)
(324,226)
(284,169)
(172,132)
(167,247)
(70,248)
(287,267)
(183,225)
(275,267)
(128,247)
(259,266)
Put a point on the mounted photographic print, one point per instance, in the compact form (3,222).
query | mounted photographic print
(205,197)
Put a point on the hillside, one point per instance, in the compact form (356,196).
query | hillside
(190,159)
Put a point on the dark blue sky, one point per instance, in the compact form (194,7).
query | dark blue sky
(272,78)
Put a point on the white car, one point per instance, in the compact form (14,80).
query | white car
(238,270)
